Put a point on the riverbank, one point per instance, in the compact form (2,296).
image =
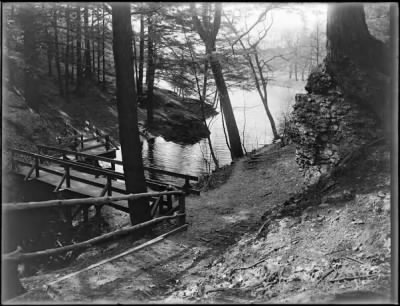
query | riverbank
(337,243)
(24,127)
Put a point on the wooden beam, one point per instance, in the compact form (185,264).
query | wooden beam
(30,172)
(93,147)
(15,256)
(84,201)
(60,183)
(155,205)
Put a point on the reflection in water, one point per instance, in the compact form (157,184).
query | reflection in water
(194,159)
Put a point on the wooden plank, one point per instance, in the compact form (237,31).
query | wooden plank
(84,244)
(93,147)
(137,248)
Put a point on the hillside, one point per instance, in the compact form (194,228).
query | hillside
(332,246)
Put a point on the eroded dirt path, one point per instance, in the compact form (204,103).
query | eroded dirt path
(217,219)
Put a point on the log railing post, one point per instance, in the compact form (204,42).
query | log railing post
(81,141)
(187,185)
(67,176)
(109,182)
(182,219)
(112,165)
(37,166)
(107,144)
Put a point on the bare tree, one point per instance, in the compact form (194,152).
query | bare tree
(208,33)
(257,64)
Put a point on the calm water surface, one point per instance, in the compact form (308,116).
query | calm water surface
(254,128)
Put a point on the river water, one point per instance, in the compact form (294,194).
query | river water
(253,124)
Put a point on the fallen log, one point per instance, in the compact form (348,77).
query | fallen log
(18,256)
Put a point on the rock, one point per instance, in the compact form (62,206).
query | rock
(324,205)
(381,194)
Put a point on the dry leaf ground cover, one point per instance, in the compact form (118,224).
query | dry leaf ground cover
(337,246)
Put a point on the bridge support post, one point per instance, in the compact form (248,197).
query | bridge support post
(107,144)
(67,177)
(187,185)
(182,219)
(37,166)
(109,187)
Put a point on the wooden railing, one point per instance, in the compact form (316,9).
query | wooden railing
(113,162)
(18,256)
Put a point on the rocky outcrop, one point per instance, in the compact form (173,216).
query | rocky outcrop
(326,127)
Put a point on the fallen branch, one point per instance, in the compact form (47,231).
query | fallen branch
(267,194)
(265,224)
(137,248)
(350,258)
(325,275)
(355,277)
(258,262)
(204,239)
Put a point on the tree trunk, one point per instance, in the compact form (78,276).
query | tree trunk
(98,45)
(150,71)
(233,132)
(66,60)
(73,63)
(93,45)
(355,59)
(50,52)
(104,50)
(141,56)
(30,54)
(78,48)
(88,68)
(208,33)
(57,53)
(127,112)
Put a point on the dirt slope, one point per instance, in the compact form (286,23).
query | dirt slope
(337,249)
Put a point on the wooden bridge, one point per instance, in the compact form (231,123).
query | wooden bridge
(81,173)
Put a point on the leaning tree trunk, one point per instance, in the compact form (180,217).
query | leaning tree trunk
(355,59)
(127,112)
(233,132)
(208,33)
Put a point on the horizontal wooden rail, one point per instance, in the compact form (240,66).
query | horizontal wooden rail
(85,201)
(118,162)
(16,256)
(150,182)
(72,177)
(93,147)
(80,166)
